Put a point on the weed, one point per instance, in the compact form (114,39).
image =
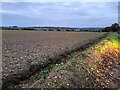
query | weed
(64,84)
(85,53)
(61,65)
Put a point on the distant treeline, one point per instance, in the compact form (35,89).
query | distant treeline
(16,28)
(53,29)
(114,27)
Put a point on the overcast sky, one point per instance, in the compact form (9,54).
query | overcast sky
(80,14)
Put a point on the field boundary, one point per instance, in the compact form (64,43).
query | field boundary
(35,67)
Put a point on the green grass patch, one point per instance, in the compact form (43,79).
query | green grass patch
(112,37)
(49,69)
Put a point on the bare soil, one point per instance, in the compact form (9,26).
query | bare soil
(20,49)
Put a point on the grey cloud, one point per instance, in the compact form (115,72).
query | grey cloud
(61,14)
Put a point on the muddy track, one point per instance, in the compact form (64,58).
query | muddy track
(35,67)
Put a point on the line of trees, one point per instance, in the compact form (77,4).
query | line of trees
(113,28)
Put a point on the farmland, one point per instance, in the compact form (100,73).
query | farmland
(96,67)
(20,49)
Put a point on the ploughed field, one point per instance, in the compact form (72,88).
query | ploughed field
(21,48)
